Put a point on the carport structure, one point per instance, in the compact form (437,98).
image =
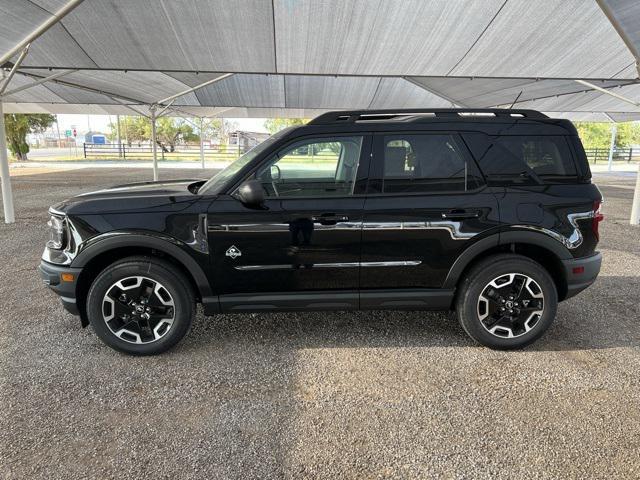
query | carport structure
(297,58)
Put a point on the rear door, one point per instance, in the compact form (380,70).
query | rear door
(426,203)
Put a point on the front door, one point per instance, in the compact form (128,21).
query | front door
(427,204)
(302,250)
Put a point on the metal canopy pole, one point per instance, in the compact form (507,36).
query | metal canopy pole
(635,206)
(202,141)
(628,41)
(39,82)
(68,7)
(612,145)
(15,68)
(7,196)
(154,145)
(453,101)
(604,90)
(193,89)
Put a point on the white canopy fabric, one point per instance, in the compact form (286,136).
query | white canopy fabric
(303,57)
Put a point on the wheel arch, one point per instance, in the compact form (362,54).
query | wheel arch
(93,259)
(539,247)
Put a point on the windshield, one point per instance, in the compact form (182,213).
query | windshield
(216,183)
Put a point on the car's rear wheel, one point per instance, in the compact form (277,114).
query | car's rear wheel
(506,301)
(141,305)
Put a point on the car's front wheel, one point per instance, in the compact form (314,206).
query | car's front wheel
(506,301)
(141,305)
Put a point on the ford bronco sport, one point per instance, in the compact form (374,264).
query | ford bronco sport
(490,213)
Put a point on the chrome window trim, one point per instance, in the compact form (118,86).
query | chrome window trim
(402,263)
(454,228)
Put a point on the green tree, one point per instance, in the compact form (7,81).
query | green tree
(216,128)
(598,135)
(132,130)
(274,125)
(18,125)
(171,132)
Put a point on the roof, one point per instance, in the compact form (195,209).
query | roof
(300,58)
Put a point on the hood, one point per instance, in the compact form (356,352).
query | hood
(142,196)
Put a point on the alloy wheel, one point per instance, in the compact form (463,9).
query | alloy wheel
(510,305)
(138,310)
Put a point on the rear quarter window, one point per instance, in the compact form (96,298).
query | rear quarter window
(523,158)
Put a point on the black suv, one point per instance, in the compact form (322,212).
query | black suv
(490,213)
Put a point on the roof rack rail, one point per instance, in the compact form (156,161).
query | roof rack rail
(352,116)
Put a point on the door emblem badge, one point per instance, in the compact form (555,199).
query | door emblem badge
(233,252)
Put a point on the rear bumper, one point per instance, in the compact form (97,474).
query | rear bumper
(51,275)
(581,272)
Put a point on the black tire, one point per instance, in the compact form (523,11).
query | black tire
(174,282)
(469,309)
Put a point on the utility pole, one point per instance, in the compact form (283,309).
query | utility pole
(58,129)
(119,138)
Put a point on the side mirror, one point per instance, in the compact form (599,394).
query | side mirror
(251,194)
(275,172)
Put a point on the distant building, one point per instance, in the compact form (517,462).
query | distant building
(246,140)
(94,137)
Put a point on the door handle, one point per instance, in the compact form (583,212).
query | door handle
(329,218)
(459,214)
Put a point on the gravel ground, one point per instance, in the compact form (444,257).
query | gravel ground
(317,395)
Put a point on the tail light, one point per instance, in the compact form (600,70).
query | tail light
(597,218)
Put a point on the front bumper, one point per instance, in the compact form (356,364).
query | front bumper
(581,272)
(51,275)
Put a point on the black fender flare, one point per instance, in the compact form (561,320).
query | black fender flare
(530,237)
(167,245)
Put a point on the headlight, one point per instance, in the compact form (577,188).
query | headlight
(57,233)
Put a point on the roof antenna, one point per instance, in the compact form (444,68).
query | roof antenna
(514,102)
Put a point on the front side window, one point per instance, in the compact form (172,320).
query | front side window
(320,167)
(425,164)
(216,184)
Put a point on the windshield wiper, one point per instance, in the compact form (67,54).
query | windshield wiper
(521,175)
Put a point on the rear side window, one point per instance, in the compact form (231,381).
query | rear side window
(523,158)
(425,164)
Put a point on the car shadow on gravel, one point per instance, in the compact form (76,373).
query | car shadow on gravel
(301,330)
(603,316)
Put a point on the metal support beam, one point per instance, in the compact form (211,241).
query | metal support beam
(7,195)
(606,9)
(130,107)
(14,69)
(164,109)
(193,89)
(154,144)
(202,141)
(612,145)
(50,78)
(453,101)
(59,15)
(604,90)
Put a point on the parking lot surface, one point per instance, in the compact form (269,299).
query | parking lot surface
(316,395)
